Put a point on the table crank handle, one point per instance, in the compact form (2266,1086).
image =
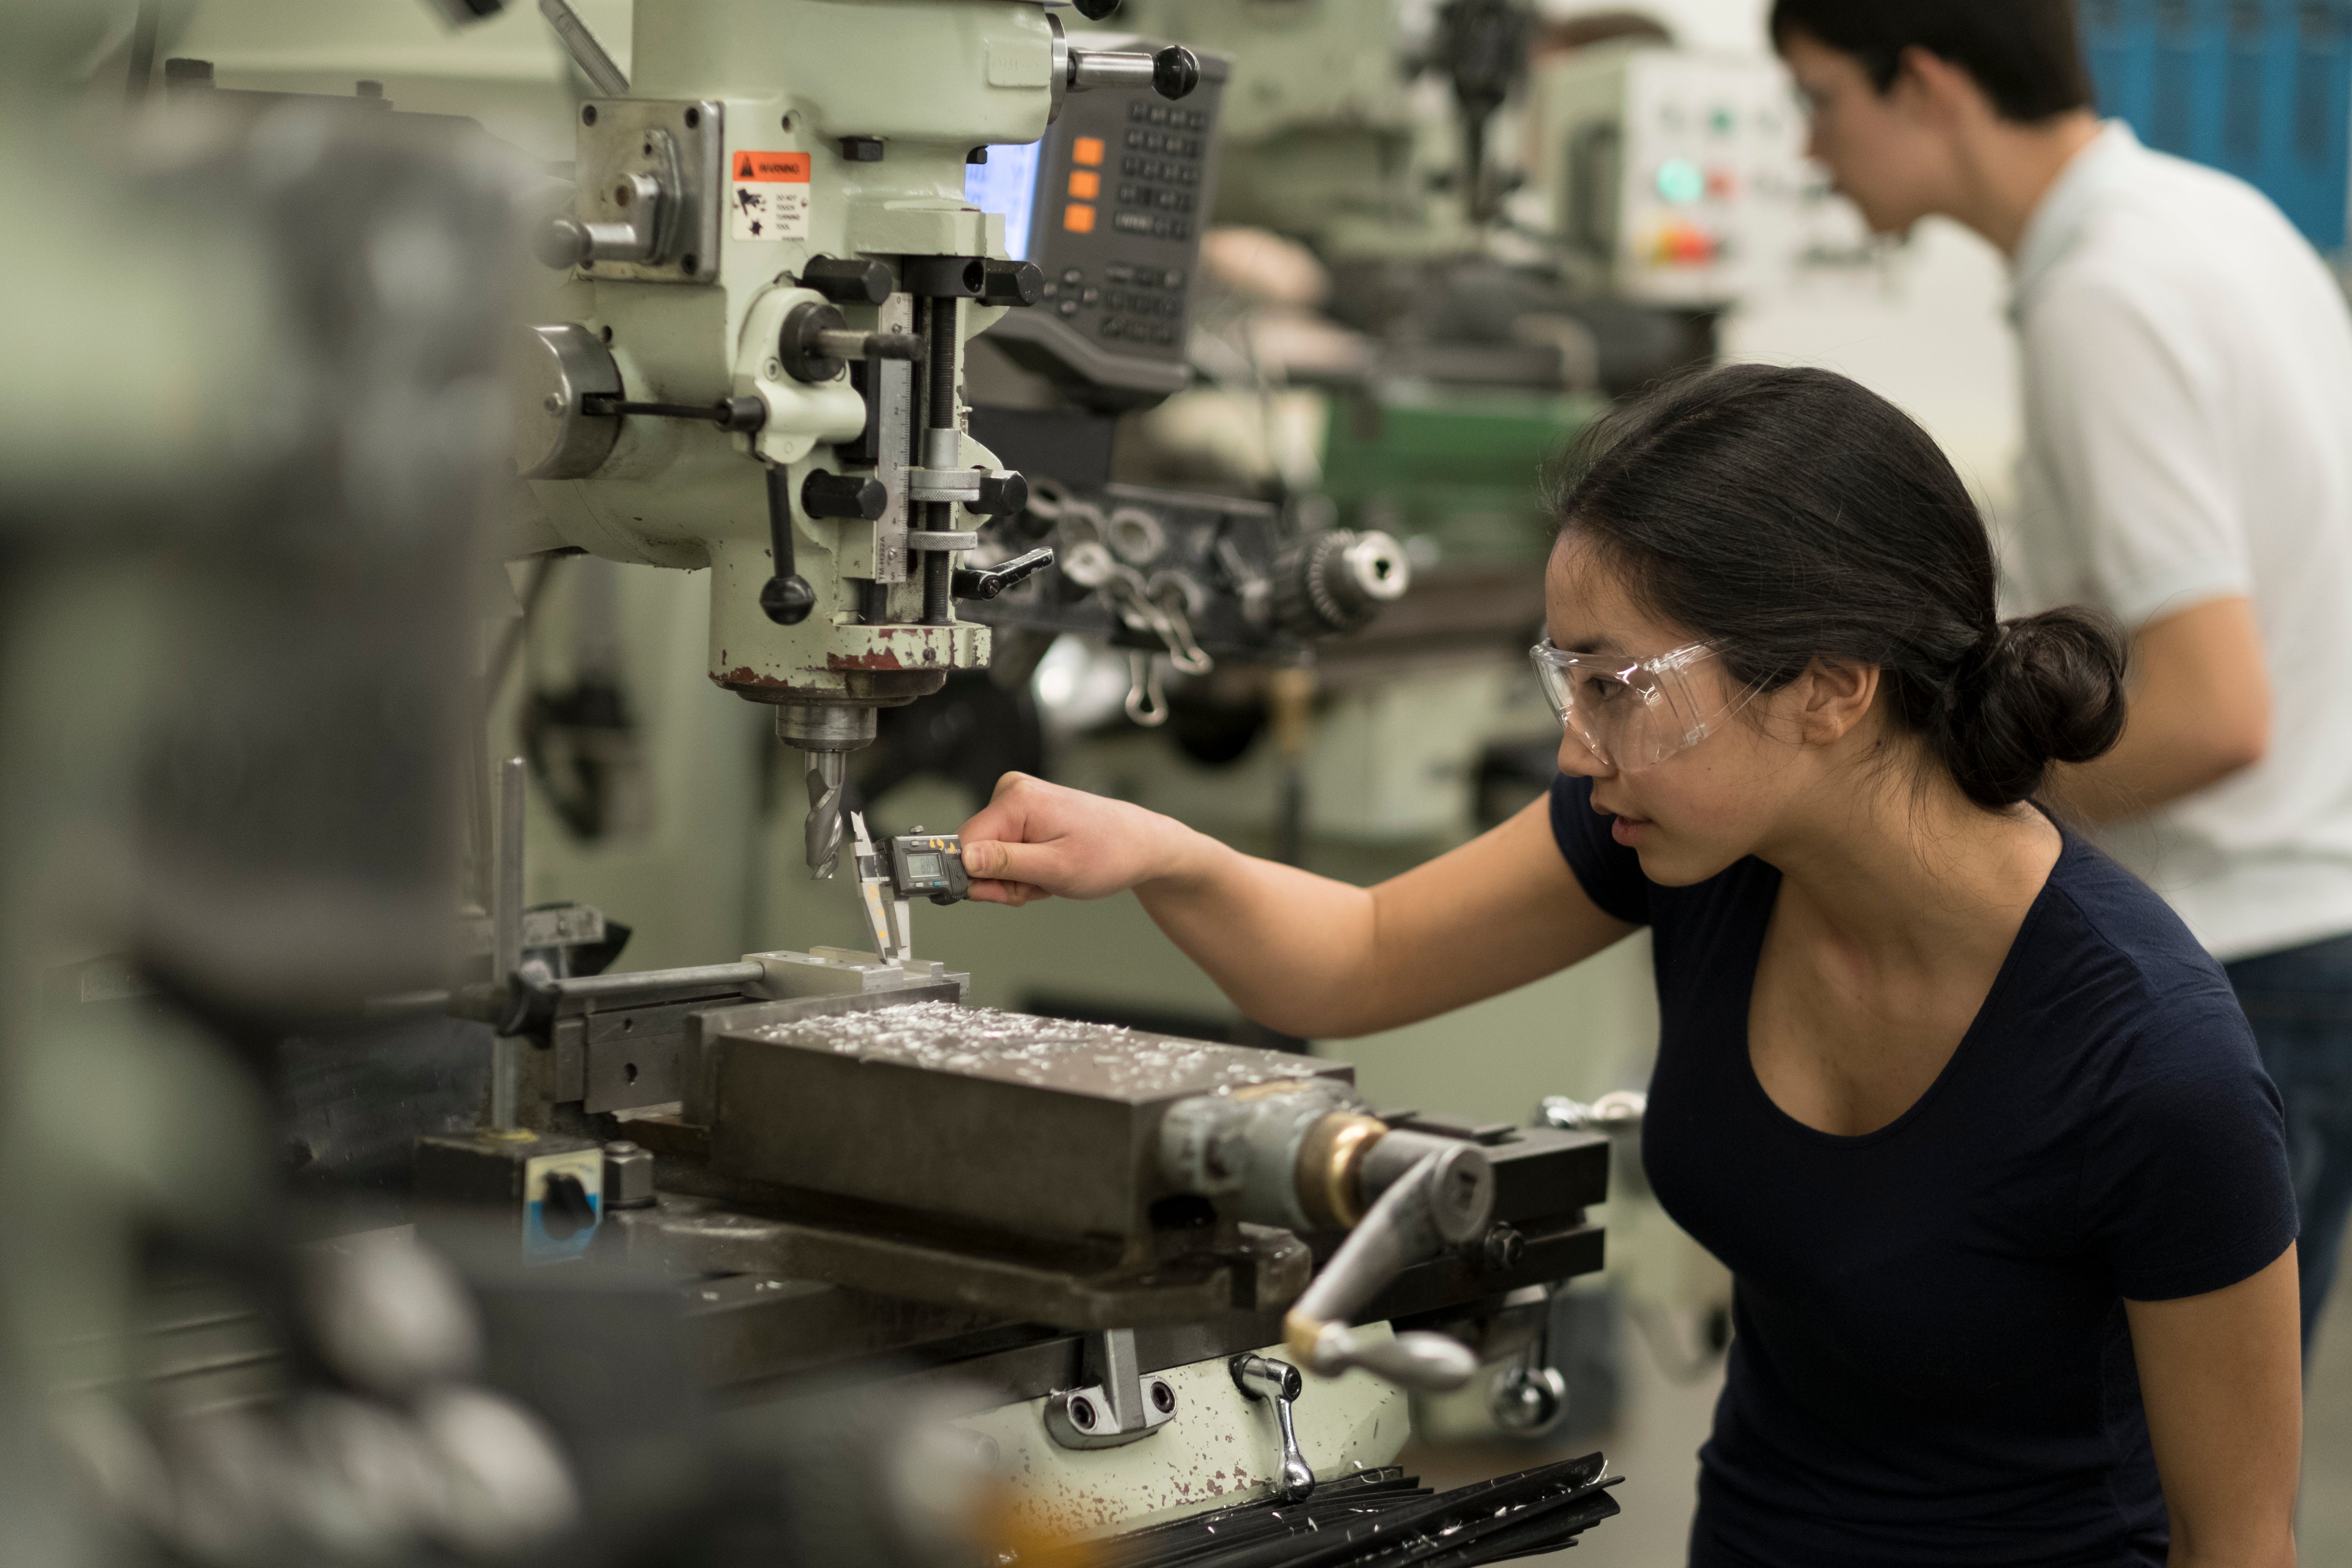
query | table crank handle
(1278,1381)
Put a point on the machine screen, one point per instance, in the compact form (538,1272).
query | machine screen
(922,867)
(1007,184)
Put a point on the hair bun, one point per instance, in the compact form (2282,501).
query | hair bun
(2045,688)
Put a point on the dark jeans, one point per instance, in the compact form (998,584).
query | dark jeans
(2300,1003)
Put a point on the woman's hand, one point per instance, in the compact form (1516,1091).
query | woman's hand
(1034,840)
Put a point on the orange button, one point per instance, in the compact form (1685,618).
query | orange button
(1086,182)
(1087,150)
(1079,218)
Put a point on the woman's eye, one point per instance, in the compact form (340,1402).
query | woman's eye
(1600,689)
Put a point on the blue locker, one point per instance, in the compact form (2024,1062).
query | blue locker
(2259,88)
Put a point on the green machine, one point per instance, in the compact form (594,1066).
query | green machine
(1483,367)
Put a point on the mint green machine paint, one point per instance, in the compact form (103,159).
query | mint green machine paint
(930,79)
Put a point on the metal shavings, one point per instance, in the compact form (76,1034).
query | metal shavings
(942,1037)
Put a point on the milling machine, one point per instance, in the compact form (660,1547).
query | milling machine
(771,273)
(780,195)
(1108,1241)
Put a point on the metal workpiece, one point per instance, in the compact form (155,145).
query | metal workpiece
(909,1106)
(624,1042)
(1619,1111)
(1443,1200)
(828,982)
(1119,1407)
(1278,1383)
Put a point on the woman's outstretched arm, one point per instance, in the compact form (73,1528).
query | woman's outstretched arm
(1299,953)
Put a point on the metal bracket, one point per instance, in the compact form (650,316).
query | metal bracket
(680,145)
(1278,1383)
(944,484)
(943,539)
(1119,1407)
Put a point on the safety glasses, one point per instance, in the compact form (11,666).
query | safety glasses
(1631,713)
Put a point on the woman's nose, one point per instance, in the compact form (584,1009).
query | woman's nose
(1576,758)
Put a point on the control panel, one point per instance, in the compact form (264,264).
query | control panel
(1110,206)
(1679,176)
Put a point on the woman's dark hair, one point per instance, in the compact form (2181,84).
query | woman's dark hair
(2025,54)
(1784,515)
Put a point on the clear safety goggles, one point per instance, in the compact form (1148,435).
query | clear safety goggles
(1631,713)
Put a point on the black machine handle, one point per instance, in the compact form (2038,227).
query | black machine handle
(971,584)
(785,597)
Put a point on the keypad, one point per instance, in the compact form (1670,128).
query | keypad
(1143,305)
(1147,190)
(1160,169)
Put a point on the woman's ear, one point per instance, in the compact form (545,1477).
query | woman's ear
(1835,695)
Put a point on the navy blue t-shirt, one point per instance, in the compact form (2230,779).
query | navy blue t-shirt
(1930,1362)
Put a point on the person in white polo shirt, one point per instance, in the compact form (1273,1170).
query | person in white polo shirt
(2188,468)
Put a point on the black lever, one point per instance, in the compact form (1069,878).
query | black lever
(740,414)
(785,597)
(843,495)
(847,281)
(1011,283)
(1175,71)
(971,584)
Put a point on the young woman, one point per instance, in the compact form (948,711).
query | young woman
(1977,1127)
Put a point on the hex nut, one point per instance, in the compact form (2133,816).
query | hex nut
(628,1175)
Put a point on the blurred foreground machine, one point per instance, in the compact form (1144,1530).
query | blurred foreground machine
(1130,1245)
